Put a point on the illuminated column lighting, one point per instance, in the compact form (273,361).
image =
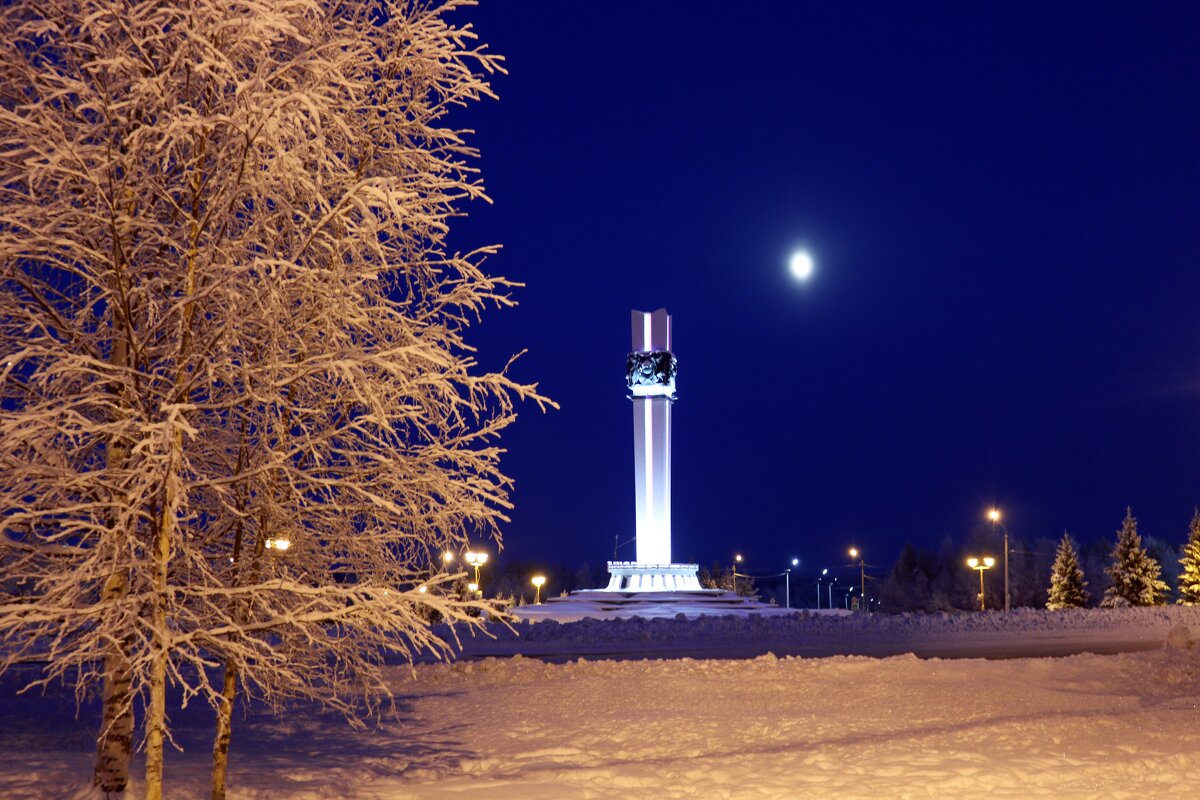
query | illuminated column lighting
(650,376)
(652,388)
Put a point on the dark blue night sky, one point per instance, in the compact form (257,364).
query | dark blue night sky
(1003,203)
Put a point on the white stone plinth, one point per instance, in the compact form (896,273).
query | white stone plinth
(633,576)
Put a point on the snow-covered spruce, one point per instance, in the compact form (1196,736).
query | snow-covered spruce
(1135,575)
(1189,575)
(1068,589)
(229,320)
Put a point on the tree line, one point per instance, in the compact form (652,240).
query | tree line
(1127,570)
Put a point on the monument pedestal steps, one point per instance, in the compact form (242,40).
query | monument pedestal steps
(602,604)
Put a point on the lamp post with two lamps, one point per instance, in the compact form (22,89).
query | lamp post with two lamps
(980,565)
(476,560)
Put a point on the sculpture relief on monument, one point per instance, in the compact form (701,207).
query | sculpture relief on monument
(650,371)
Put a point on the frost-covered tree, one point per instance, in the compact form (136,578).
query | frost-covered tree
(1189,574)
(1068,589)
(1135,575)
(230,321)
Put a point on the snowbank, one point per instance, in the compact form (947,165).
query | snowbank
(991,633)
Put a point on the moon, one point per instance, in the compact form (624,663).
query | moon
(801,265)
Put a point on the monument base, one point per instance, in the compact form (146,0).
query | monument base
(602,604)
(631,576)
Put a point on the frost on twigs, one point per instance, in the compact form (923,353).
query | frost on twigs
(230,319)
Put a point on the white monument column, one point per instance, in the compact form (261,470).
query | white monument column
(651,378)
(650,375)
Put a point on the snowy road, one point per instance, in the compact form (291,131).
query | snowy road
(1046,647)
(1025,633)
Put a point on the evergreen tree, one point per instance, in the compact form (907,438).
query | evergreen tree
(1189,576)
(1135,575)
(1067,586)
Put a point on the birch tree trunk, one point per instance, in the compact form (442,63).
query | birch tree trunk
(224,730)
(115,741)
(160,648)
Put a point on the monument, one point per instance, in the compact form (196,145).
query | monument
(650,371)
(653,585)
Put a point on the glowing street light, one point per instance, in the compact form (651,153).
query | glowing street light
(987,563)
(278,544)
(538,581)
(737,559)
(862,572)
(473,588)
(787,581)
(993,515)
(476,560)
(447,560)
(824,572)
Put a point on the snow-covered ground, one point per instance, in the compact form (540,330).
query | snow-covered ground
(1087,726)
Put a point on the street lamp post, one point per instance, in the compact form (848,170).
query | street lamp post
(787,581)
(862,573)
(538,581)
(737,559)
(831,583)
(979,566)
(994,515)
(823,572)
(476,560)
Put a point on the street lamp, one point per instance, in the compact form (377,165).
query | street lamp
(538,581)
(787,581)
(823,573)
(980,566)
(993,514)
(476,560)
(278,544)
(862,572)
(447,560)
(737,559)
